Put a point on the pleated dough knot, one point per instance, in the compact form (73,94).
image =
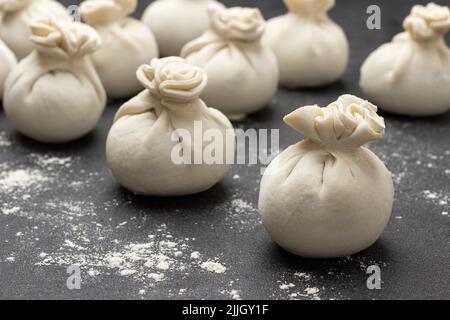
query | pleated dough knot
(245,24)
(7,6)
(105,11)
(350,121)
(309,7)
(173,80)
(427,22)
(63,39)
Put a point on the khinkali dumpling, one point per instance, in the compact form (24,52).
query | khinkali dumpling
(176,22)
(54,94)
(7,62)
(123,37)
(16,16)
(148,136)
(411,74)
(242,71)
(311,49)
(328,196)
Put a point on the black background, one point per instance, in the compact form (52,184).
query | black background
(413,252)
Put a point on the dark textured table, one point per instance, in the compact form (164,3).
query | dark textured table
(60,206)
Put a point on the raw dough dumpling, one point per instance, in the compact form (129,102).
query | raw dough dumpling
(123,38)
(7,62)
(146,139)
(411,74)
(16,16)
(55,95)
(311,49)
(242,71)
(328,196)
(176,22)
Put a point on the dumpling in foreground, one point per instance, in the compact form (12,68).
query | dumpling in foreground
(312,50)
(411,74)
(160,142)
(328,196)
(54,95)
(242,71)
(127,43)
(176,22)
(16,16)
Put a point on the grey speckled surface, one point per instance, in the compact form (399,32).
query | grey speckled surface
(74,212)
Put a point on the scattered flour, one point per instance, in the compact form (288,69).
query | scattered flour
(21,179)
(214,267)
(4,141)
(287,286)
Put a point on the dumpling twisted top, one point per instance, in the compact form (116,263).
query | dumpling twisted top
(309,7)
(245,24)
(63,39)
(13,5)
(350,121)
(172,80)
(105,11)
(427,22)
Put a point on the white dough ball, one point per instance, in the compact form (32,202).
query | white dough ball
(16,16)
(411,74)
(327,196)
(127,43)
(242,71)
(54,95)
(311,49)
(165,120)
(176,22)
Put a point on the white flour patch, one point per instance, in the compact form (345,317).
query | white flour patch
(439,199)
(50,162)
(4,141)
(11,210)
(212,266)
(21,179)
(149,262)
(287,286)
(242,215)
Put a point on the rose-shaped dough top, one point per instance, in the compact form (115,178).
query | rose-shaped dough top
(7,6)
(173,80)
(63,39)
(427,22)
(105,11)
(350,121)
(245,24)
(309,7)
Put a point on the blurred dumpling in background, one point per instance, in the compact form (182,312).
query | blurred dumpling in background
(176,22)
(242,71)
(123,38)
(7,62)
(312,50)
(15,17)
(55,95)
(411,74)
